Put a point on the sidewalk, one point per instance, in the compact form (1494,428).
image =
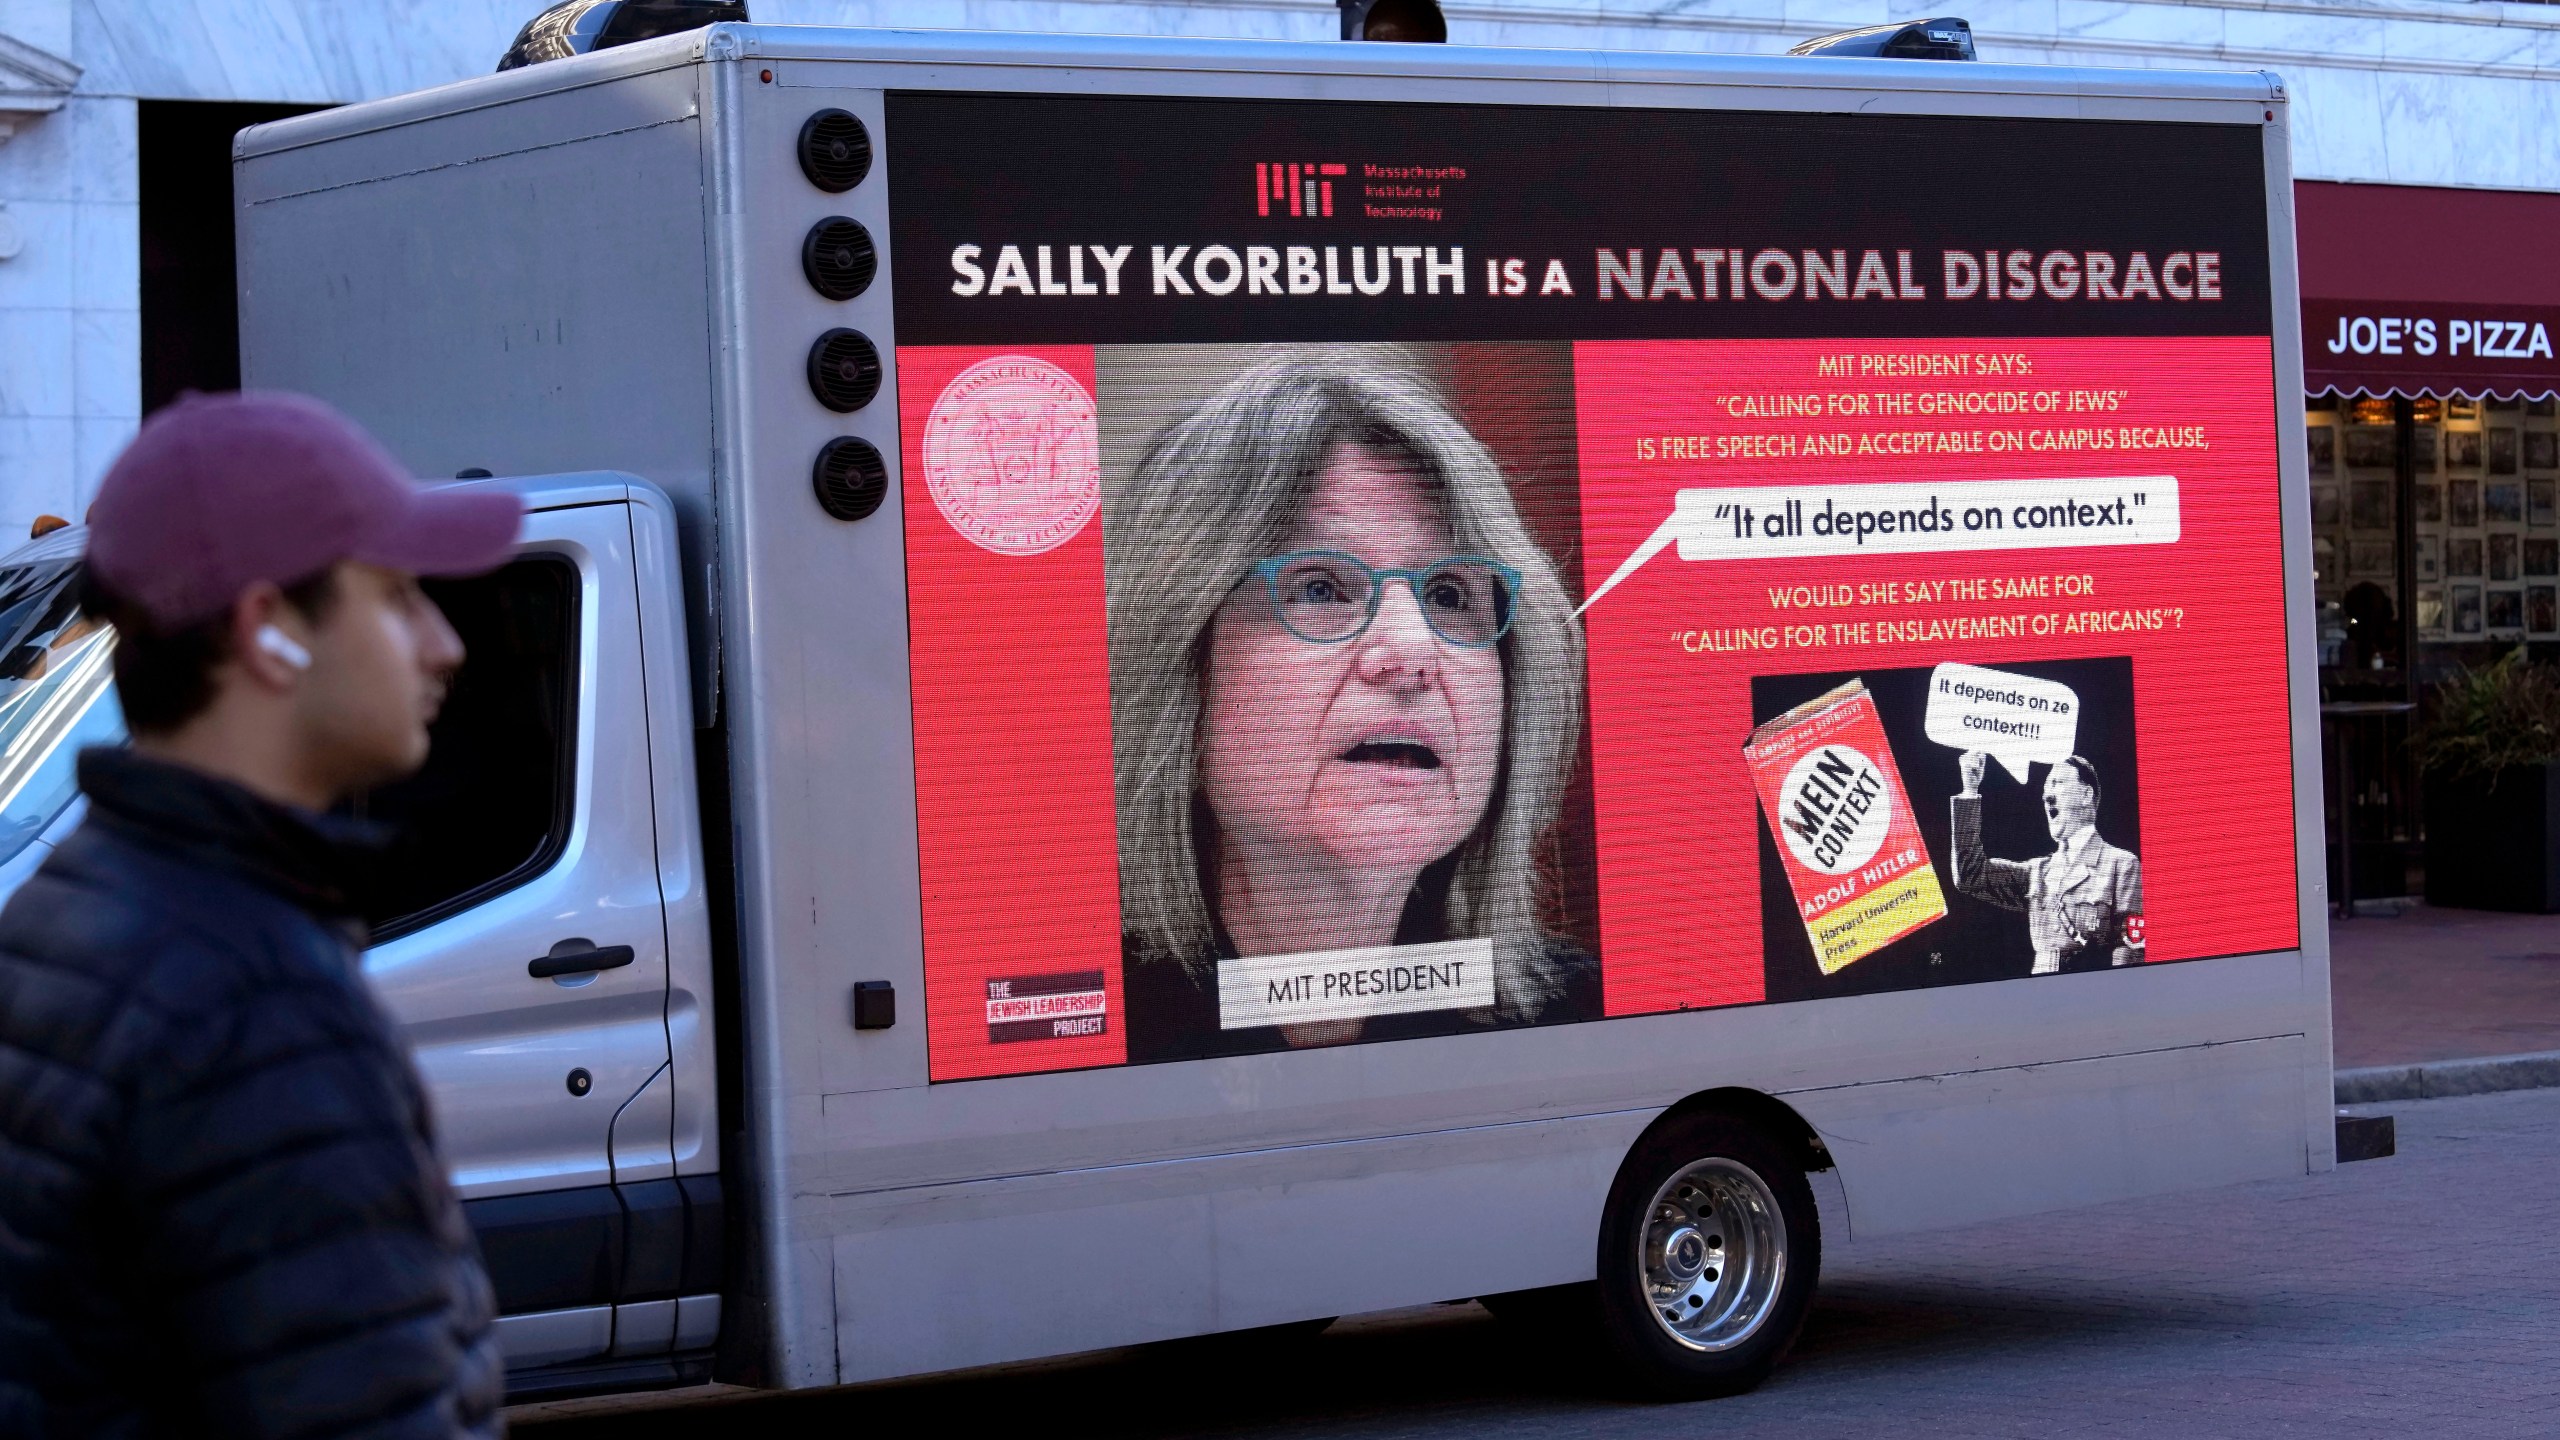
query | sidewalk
(2442,985)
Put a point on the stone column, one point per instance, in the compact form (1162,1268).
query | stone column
(70,286)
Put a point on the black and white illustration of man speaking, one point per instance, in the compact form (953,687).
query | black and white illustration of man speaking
(2083,901)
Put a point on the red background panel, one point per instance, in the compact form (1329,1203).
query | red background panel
(1015,835)
(1677,837)
(1012,696)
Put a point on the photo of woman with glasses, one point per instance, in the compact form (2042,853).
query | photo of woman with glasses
(1347,695)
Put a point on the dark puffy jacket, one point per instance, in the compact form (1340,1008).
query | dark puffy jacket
(221,1209)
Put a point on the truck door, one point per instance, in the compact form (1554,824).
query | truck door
(522,941)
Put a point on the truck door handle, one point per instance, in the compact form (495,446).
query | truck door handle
(584,960)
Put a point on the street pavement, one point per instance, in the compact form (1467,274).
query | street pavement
(2425,984)
(2417,1295)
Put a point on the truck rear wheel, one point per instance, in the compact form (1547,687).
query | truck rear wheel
(1709,1251)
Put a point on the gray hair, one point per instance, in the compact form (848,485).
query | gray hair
(1220,490)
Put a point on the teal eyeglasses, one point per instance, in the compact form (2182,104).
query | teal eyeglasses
(1329,596)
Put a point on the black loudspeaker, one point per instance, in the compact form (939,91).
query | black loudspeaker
(850,478)
(875,1005)
(838,258)
(844,370)
(835,151)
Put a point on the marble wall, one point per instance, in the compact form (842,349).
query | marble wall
(70,308)
(2433,92)
(70,316)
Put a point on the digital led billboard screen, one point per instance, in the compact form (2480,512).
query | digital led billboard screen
(1379,571)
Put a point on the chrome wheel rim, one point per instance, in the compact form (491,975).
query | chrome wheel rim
(1714,1255)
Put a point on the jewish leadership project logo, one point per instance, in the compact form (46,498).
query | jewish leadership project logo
(1046,1007)
(1012,455)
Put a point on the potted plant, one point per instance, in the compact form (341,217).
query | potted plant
(2491,756)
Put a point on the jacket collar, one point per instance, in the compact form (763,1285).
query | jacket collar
(316,861)
(2081,849)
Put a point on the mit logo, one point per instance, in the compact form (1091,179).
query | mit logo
(1305,187)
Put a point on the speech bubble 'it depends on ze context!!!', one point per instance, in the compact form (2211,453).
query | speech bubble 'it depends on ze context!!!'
(2017,720)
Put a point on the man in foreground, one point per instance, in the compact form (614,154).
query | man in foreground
(221,1207)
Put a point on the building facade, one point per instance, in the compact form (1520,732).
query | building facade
(2424,141)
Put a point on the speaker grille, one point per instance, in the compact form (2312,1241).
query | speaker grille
(850,478)
(838,258)
(835,151)
(844,370)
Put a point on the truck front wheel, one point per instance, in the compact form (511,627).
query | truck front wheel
(1709,1251)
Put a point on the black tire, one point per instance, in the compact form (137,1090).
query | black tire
(1750,1185)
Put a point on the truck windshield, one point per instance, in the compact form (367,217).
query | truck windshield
(56,696)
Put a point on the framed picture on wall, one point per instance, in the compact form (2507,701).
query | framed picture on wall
(2462,503)
(2428,558)
(2324,561)
(2496,406)
(2539,503)
(2430,503)
(2422,449)
(2542,609)
(2541,555)
(2506,560)
(2506,612)
(2324,505)
(2372,447)
(2462,449)
(2462,556)
(2466,609)
(2431,610)
(2462,407)
(2371,559)
(2324,449)
(2502,502)
(2369,505)
(2542,407)
(2502,451)
(2542,449)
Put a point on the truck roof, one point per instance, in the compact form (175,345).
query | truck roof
(1005,60)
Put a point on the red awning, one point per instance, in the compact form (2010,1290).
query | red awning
(2412,289)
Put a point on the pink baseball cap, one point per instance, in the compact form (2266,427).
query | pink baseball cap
(219,492)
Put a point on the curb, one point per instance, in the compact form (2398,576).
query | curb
(2441,1079)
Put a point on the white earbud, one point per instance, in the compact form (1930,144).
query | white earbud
(282,646)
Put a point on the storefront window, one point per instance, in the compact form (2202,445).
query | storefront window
(2480,482)
(2487,541)
(2452,501)
(2355,523)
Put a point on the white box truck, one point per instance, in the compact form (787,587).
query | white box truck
(1163,687)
